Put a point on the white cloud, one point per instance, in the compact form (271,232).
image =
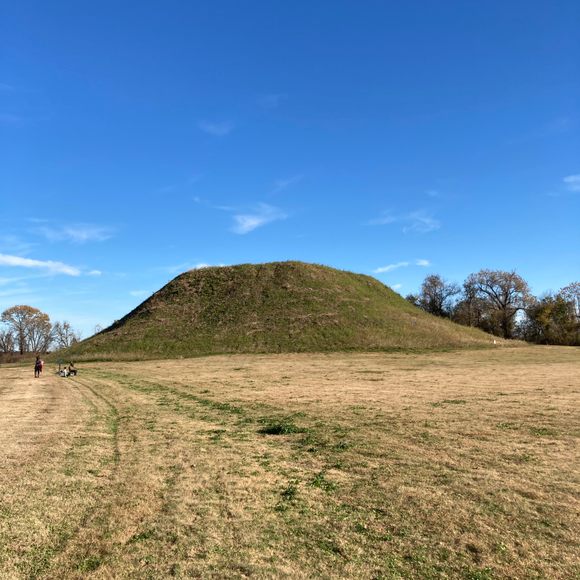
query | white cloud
(17,292)
(7,281)
(384,269)
(219,129)
(187,267)
(78,234)
(94,273)
(396,286)
(15,244)
(384,220)
(49,265)
(421,222)
(391,267)
(572,182)
(265,214)
(418,221)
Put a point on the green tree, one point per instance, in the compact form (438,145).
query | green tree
(501,295)
(554,319)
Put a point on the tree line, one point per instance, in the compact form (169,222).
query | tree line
(25,329)
(501,303)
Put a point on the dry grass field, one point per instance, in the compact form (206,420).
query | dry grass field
(450,465)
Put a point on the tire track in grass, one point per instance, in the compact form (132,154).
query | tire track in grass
(83,552)
(48,494)
(243,435)
(139,491)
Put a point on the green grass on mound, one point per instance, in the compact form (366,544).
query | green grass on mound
(274,307)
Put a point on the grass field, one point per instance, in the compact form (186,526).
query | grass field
(449,465)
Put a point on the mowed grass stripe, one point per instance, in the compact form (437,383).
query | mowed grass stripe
(52,493)
(300,466)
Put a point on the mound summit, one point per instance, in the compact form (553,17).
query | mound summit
(274,307)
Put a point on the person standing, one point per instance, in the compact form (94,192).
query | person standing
(37,367)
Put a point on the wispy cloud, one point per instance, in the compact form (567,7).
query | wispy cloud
(7,281)
(264,214)
(48,265)
(187,266)
(78,234)
(390,267)
(94,273)
(572,182)
(384,220)
(281,185)
(271,100)
(15,244)
(217,129)
(420,221)
(169,188)
(396,286)
(247,221)
(205,202)
(17,292)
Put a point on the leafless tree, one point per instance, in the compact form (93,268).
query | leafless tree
(571,294)
(7,342)
(437,294)
(64,335)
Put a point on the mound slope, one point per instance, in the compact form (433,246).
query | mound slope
(275,307)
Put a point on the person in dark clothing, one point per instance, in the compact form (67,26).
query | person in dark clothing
(37,367)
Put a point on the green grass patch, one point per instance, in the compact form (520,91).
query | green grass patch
(279,427)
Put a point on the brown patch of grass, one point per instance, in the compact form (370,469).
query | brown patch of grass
(444,465)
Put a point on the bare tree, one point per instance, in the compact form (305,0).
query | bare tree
(30,327)
(437,294)
(64,335)
(7,342)
(571,294)
(413,299)
(503,294)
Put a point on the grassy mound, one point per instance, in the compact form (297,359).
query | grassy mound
(274,307)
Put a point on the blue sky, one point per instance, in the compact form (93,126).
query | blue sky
(397,139)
